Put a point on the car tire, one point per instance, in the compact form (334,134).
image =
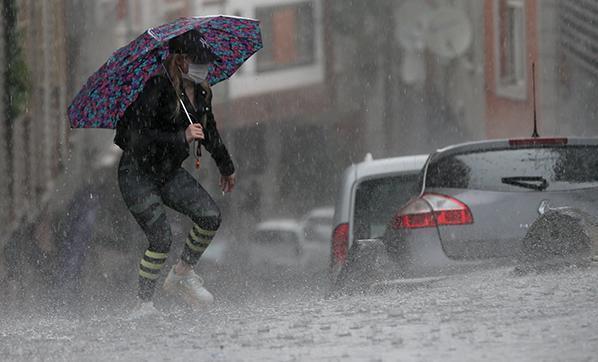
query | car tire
(367,263)
(554,240)
(556,234)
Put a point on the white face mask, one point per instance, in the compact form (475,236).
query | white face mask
(197,73)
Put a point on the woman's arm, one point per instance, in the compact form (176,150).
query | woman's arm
(214,144)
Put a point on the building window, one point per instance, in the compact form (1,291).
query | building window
(510,48)
(288,35)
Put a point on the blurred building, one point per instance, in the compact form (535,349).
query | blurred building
(511,47)
(462,70)
(35,141)
(278,112)
(559,38)
(4,181)
(44,162)
(135,16)
(576,66)
(412,71)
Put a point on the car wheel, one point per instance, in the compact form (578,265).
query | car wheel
(556,234)
(555,239)
(367,263)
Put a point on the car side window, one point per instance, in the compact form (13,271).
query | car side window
(377,200)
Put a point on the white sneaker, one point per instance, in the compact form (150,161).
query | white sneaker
(189,287)
(143,310)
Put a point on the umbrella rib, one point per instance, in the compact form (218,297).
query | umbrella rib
(150,31)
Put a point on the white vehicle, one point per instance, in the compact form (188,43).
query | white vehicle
(317,224)
(317,230)
(277,245)
(370,194)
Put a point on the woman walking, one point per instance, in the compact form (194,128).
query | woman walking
(156,135)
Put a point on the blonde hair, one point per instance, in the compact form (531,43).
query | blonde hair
(175,77)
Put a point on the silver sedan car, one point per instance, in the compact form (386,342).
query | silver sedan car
(482,200)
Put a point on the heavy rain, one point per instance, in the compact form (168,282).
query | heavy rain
(298,180)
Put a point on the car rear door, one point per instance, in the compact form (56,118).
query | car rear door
(378,199)
(503,189)
(317,232)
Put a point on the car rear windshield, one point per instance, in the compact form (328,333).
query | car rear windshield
(376,201)
(525,170)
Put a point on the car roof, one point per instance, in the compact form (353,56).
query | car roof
(505,143)
(371,167)
(323,212)
(279,224)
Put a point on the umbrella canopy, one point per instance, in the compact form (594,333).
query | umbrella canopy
(109,91)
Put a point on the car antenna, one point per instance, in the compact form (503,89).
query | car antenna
(535,133)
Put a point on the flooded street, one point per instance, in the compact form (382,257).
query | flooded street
(491,315)
(265,158)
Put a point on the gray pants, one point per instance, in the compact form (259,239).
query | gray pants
(146,196)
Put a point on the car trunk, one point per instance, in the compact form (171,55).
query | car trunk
(502,219)
(504,190)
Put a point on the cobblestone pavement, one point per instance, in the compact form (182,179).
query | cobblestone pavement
(489,315)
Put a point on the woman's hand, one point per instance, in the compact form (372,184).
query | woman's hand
(194,132)
(227,183)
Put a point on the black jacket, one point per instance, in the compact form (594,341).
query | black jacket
(151,133)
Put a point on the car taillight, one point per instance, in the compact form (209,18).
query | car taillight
(430,210)
(340,243)
(537,141)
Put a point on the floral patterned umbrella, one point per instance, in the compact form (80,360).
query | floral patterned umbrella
(110,90)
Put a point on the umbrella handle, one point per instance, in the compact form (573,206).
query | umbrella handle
(185,109)
(198,153)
